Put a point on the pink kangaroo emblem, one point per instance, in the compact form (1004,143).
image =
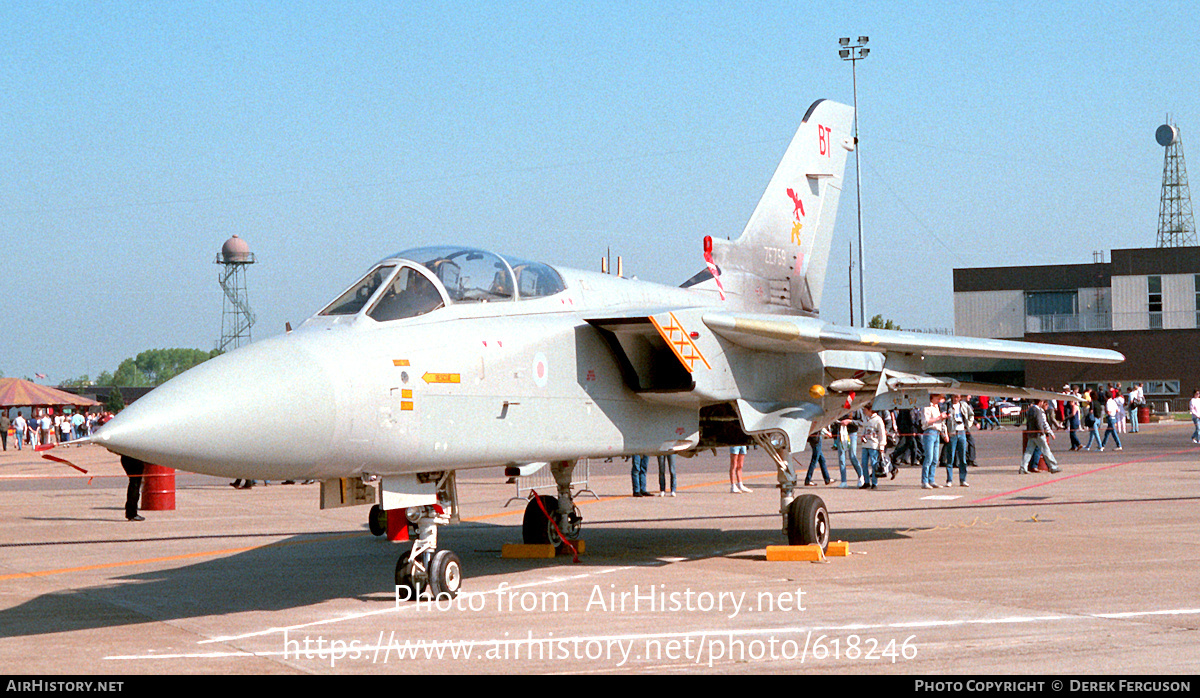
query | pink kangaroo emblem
(799,211)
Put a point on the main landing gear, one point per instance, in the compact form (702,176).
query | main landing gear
(805,517)
(807,521)
(546,517)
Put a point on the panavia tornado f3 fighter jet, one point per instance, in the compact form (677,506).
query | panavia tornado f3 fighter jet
(444,358)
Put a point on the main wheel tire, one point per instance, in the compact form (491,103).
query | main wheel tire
(536,528)
(445,575)
(808,521)
(377,520)
(404,578)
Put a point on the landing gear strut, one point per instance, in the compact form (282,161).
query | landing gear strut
(564,516)
(427,500)
(805,517)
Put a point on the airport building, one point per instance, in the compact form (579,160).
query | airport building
(1144,303)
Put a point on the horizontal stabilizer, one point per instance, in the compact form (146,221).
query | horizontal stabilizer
(786,334)
(894,382)
(953,387)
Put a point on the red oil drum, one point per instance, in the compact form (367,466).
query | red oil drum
(158,488)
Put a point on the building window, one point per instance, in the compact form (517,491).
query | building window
(1154,284)
(1163,387)
(1196,283)
(1054,311)
(1051,302)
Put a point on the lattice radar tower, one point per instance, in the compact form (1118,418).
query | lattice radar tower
(236,316)
(1176,226)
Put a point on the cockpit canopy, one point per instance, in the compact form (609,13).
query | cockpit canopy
(419,281)
(471,275)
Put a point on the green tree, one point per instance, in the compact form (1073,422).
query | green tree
(114,402)
(879,323)
(80,382)
(155,367)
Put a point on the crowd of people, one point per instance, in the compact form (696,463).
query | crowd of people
(48,425)
(940,434)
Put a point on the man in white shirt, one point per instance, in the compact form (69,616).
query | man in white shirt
(19,426)
(873,439)
(958,419)
(1137,398)
(933,433)
(47,430)
(1111,408)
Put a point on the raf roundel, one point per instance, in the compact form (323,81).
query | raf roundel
(541,369)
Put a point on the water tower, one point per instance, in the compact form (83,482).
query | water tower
(236,317)
(1176,227)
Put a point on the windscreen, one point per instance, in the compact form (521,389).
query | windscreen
(408,295)
(352,301)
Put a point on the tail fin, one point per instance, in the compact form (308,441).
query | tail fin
(782,253)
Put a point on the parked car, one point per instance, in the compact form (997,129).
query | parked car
(1008,409)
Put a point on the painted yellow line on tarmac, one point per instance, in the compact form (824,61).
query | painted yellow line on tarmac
(234,551)
(699,485)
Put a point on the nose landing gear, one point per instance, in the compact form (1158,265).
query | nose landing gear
(423,501)
(546,517)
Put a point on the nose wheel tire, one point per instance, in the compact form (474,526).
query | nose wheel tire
(442,580)
(445,575)
(808,521)
(404,578)
(536,528)
(377,520)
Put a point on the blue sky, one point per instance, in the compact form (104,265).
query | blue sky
(137,137)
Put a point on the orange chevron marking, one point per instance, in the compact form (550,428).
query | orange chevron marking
(677,338)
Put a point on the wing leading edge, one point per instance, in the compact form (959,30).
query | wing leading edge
(786,334)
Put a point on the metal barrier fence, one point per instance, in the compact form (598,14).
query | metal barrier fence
(544,481)
(1160,405)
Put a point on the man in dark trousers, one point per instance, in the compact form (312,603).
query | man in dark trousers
(967,430)
(909,443)
(134,468)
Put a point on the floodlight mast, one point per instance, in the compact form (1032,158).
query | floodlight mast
(854,54)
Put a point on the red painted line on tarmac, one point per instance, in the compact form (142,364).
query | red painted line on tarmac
(1088,472)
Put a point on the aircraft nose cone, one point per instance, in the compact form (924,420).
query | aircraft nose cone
(251,413)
